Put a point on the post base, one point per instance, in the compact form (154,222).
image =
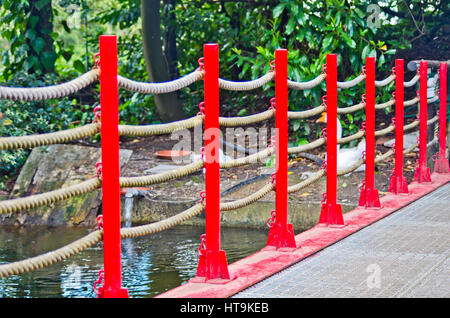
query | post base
(331,214)
(422,174)
(441,165)
(212,265)
(281,236)
(113,293)
(398,185)
(369,198)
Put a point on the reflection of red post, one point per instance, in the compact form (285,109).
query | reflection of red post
(441,164)
(109,100)
(212,262)
(281,233)
(369,195)
(398,183)
(331,212)
(422,173)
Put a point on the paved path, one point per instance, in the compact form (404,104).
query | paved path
(405,254)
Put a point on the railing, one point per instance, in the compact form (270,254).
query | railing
(212,260)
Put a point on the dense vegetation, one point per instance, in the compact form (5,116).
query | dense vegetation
(46,42)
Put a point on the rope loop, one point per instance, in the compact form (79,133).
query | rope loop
(99,222)
(202,197)
(363,98)
(201,107)
(273,177)
(97,114)
(393,71)
(363,126)
(324,69)
(201,64)
(202,153)
(100,281)
(324,133)
(435,156)
(363,70)
(362,186)
(202,246)
(272,66)
(271,220)
(324,165)
(97,60)
(98,167)
(324,102)
(272,103)
(324,198)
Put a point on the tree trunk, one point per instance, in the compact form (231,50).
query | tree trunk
(167,105)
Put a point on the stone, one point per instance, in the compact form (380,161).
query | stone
(53,167)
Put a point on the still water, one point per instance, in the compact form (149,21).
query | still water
(150,265)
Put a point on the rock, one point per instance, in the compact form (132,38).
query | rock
(53,167)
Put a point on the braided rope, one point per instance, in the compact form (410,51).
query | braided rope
(49,92)
(246,120)
(33,201)
(228,206)
(307,182)
(306,113)
(351,109)
(307,85)
(384,82)
(159,88)
(44,260)
(412,81)
(248,85)
(352,82)
(162,225)
(159,129)
(23,142)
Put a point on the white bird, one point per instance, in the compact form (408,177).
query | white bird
(222,158)
(346,157)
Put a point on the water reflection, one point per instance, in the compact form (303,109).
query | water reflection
(150,265)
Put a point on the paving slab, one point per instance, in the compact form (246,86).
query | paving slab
(405,254)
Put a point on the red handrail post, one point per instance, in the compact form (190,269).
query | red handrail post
(331,212)
(422,173)
(369,197)
(109,100)
(281,234)
(441,164)
(398,183)
(212,262)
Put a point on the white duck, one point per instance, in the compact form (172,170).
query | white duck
(348,156)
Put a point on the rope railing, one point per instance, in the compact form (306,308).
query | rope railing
(212,82)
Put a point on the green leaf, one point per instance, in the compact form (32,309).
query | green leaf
(38,45)
(290,25)
(243,112)
(278,10)
(327,41)
(79,66)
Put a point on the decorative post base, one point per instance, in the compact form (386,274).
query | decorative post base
(110,293)
(281,236)
(398,185)
(331,214)
(369,198)
(441,166)
(422,174)
(212,268)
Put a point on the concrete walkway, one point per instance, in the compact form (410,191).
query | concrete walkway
(406,254)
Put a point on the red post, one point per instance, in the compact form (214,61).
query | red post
(369,197)
(109,100)
(331,212)
(441,165)
(212,262)
(399,184)
(281,234)
(422,173)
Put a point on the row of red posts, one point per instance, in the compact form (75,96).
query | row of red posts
(213,267)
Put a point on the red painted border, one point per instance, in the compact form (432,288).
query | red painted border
(268,261)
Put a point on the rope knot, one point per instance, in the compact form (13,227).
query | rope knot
(202,246)
(201,64)
(97,60)
(100,281)
(201,106)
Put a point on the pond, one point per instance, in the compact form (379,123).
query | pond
(150,265)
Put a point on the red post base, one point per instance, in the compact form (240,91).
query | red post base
(281,236)
(212,265)
(441,165)
(113,293)
(398,185)
(369,198)
(331,214)
(422,174)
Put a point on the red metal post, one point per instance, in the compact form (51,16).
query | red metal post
(331,212)
(441,165)
(399,184)
(422,173)
(369,197)
(109,100)
(281,234)
(212,263)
